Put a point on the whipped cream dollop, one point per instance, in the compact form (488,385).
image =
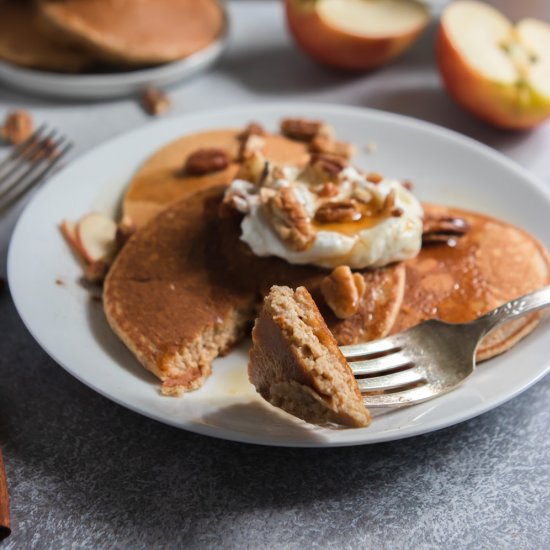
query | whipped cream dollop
(325,215)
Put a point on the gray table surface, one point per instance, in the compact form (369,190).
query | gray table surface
(85,472)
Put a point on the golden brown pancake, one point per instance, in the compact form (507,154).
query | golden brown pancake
(23,41)
(176,300)
(165,299)
(136,32)
(493,263)
(295,362)
(159,181)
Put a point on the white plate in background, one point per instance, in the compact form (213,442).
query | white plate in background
(445,167)
(113,84)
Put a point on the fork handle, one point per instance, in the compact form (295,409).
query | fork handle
(513,309)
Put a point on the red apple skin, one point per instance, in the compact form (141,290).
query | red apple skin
(489,101)
(72,238)
(339,49)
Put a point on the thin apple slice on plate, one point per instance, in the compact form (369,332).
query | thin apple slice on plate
(96,236)
(496,70)
(69,231)
(356,34)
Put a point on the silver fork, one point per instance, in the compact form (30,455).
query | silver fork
(430,359)
(29,163)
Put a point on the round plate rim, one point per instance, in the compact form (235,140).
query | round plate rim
(302,107)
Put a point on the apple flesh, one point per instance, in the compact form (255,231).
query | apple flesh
(96,236)
(497,71)
(355,34)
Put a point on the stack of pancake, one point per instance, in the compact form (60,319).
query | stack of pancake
(185,289)
(79,35)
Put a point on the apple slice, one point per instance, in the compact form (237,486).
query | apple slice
(497,71)
(96,236)
(356,34)
(68,229)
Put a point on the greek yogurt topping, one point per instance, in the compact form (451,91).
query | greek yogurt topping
(326,215)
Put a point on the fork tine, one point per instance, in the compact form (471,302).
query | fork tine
(32,160)
(399,399)
(391,381)
(381,364)
(30,179)
(18,149)
(370,348)
(27,156)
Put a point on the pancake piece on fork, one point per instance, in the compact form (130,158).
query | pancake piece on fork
(296,365)
(493,263)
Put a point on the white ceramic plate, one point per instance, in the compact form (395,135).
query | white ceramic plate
(108,85)
(445,167)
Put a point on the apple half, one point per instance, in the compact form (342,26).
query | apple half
(498,71)
(355,34)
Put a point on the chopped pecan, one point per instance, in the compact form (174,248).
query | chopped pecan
(324,143)
(18,127)
(302,129)
(328,191)
(253,129)
(205,161)
(289,219)
(254,143)
(408,185)
(338,212)
(125,229)
(389,202)
(362,195)
(397,212)
(155,102)
(442,229)
(326,167)
(343,291)
(254,169)
(374,177)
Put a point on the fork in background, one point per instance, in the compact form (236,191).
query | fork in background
(429,359)
(29,163)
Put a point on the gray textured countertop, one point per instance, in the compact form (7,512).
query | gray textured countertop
(84,472)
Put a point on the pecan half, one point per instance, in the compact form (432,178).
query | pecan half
(18,126)
(338,212)
(328,191)
(302,129)
(289,219)
(324,143)
(155,102)
(443,229)
(205,161)
(343,291)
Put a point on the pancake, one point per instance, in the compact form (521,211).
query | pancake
(159,181)
(176,301)
(493,263)
(136,32)
(165,299)
(295,362)
(24,42)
